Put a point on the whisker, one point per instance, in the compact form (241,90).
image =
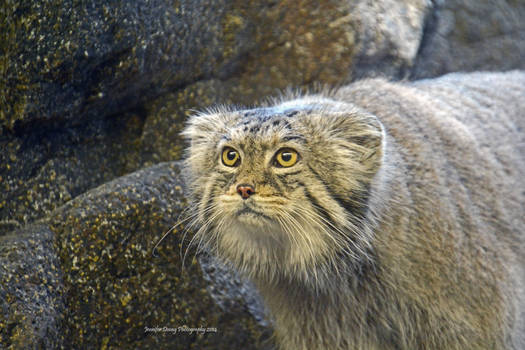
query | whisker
(351,228)
(193,223)
(288,222)
(200,233)
(178,222)
(306,214)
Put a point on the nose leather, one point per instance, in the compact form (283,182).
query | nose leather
(245,190)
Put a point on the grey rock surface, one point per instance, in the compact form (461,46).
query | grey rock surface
(69,60)
(31,300)
(471,35)
(389,34)
(87,276)
(231,291)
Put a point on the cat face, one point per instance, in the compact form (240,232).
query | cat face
(282,188)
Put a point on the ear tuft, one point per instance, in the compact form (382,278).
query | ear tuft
(366,131)
(208,126)
(204,131)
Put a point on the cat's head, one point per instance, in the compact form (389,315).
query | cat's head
(283,190)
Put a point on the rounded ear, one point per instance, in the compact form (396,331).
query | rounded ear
(367,136)
(354,134)
(208,125)
(204,131)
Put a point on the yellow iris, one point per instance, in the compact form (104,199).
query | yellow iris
(230,157)
(286,157)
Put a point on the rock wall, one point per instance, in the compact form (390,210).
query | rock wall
(93,98)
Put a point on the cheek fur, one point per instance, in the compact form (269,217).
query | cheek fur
(205,190)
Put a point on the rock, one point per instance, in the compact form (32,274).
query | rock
(117,288)
(472,35)
(31,300)
(389,36)
(67,60)
(227,287)
(43,169)
(92,92)
(116,292)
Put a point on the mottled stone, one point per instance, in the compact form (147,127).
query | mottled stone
(230,291)
(31,300)
(72,60)
(119,292)
(45,168)
(389,35)
(471,35)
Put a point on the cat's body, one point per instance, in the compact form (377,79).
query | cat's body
(383,216)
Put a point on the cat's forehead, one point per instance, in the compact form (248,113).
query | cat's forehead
(264,123)
(262,129)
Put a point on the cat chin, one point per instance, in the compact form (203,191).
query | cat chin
(253,221)
(255,228)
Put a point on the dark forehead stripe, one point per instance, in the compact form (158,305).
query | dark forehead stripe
(250,113)
(291,113)
(294,138)
(265,119)
(256,117)
(287,124)
(260,114)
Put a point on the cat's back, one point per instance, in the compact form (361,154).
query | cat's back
(460,142)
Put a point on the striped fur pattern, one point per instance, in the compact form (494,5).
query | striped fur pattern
(401,224)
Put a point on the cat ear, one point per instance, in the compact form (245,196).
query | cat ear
(204,131)
(200,126)
(207,126)
(366,135)
(353,134)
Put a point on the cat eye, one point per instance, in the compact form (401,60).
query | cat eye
(286,158)
(230,157)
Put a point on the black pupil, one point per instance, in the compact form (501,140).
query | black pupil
(231,155)
(286,156)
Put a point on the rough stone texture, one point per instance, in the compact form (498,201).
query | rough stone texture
(69,68)
(117,78)
(471,35)
(229,290)
(72,60)
(390,34)
(44,168)
(31,302)
(114,284)
(94,91)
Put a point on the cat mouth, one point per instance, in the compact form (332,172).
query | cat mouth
(250,212)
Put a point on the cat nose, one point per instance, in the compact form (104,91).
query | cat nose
(245,190)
